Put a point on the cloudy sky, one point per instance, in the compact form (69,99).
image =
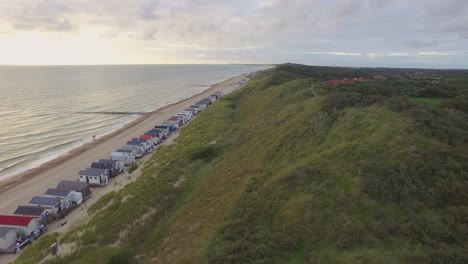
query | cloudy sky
(395,33)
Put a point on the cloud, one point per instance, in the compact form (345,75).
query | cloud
(147,10)
(41,15)
(263,30)
(446,7)
(150,34)
(421,43)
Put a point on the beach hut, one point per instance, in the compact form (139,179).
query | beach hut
(113,171)
(170,123)
(204,102)
(139,143)
(148,145)
(185,118)
(67,197)
(166,130)
(189,114)
(8,238)
(124,157)
(156,133)
(198,107)
(52,202)
(212,98)
(154,139)
(133,152)
(95,177)
(137,151)
(81,187)
(25,225)
(218,94)
(193,110)
(119,166)
(179,119)
(43,213)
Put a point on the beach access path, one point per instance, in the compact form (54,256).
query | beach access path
(19,189)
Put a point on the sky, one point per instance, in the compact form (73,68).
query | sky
(387,33)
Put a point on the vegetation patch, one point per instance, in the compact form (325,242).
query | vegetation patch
(132,168)
(428,101)
(272,174)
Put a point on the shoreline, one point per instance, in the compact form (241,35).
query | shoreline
(23,177)
(20,189)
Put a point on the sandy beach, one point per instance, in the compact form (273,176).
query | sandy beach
(19,189)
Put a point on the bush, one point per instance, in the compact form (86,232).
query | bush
(205,153)
(122,256)
(132,168)
(89,237)
(338,101)
(459,103)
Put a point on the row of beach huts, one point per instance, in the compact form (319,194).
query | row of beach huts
(28,222)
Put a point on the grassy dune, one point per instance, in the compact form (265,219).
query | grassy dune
(272,174)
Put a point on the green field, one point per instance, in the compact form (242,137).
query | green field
(272,174)
(428,101)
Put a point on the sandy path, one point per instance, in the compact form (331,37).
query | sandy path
(20,189)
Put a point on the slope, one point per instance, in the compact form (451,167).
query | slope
(272,174)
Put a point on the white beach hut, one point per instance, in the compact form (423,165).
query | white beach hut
(24,224)
(7,239)
(67,197)
(96,177)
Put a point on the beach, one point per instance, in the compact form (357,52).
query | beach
(21,188)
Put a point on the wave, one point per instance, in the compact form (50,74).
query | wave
(37,158)
(44,114)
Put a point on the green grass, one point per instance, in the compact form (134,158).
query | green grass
(132,168)
(271,174)
(428,101)
(39,250)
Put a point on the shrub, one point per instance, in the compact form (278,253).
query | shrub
(122,256)
(89,237)
(133,168)
(459,103)
(338,101)
(205,153)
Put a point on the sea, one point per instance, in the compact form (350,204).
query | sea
(47,111)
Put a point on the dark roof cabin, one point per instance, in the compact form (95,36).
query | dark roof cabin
(44,213)
(105,165)
(58,192)
(93,172)
(108,161)
(31,210)
(48,201)
(81,187)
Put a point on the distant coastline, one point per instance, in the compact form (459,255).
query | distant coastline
(18,157)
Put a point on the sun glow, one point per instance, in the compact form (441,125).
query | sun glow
(42,48)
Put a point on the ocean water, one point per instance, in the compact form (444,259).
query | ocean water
(46,111)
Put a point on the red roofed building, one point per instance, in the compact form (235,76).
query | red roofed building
(341,81)
(25,224)
(379,77)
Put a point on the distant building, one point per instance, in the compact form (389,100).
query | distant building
(355,79)
(379,77)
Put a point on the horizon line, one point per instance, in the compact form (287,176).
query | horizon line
(247,64)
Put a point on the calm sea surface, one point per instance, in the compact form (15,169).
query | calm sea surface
(41,109)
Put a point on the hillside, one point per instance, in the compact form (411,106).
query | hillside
(272,174)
